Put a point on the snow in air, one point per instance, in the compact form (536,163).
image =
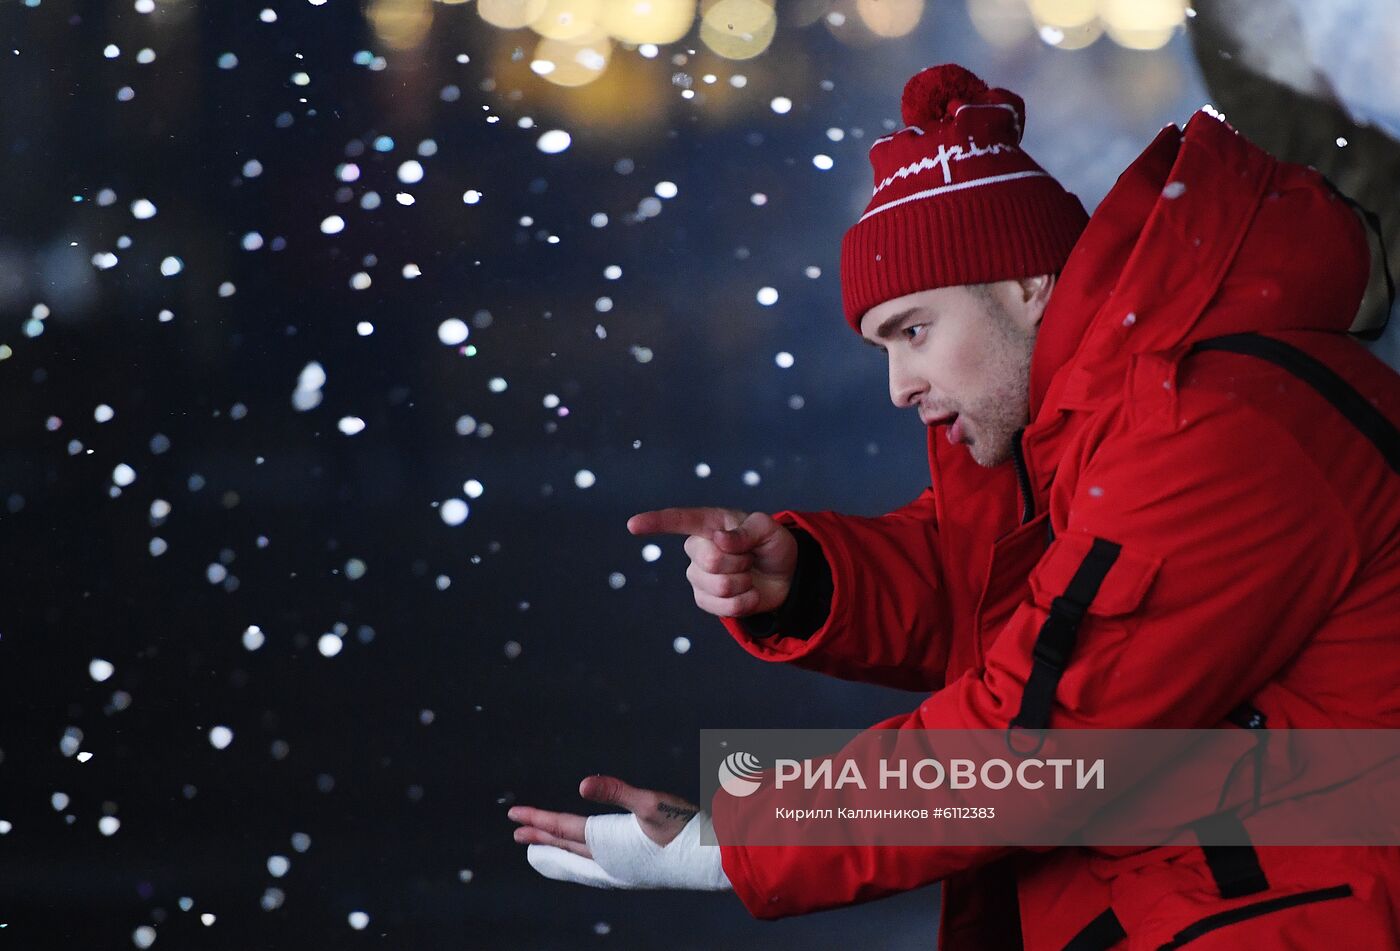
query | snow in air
(307,394)
(220,737)
(454,511)
(101,670)
(453,331)
(554,141)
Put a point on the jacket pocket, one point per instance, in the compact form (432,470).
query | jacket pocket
(1122,589)
(1091,590)
(1251,925)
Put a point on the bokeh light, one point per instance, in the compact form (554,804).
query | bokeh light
(401,24)
(1072,37)
(1002,23)
(1063,14)
(648,21)
(510,14)
(890,18)
(572,64)
(738,29)
(569,20)
(1142,24)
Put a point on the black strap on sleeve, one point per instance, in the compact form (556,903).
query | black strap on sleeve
(1098,935)
(1337,391)
(1055,642)
(1234,866)
(808,603)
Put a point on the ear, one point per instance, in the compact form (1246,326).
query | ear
(1035,296)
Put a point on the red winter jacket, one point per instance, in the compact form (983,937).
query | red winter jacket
(1259,565)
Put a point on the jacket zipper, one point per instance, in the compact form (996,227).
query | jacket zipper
(1023,478)
(1235,915)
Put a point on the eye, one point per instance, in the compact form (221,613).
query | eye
(914,331)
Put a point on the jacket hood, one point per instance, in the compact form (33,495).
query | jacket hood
(1205,234)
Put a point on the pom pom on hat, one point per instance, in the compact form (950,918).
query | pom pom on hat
(931,92)
(955,199)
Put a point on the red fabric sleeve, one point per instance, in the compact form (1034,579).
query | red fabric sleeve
(888,621)
(1230,561)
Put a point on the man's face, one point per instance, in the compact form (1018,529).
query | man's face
(962,356)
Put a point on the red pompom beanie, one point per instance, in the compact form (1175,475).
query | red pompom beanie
(956,200)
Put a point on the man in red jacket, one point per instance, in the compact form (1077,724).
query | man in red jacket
(1163,495)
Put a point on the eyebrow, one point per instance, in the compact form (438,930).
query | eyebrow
(886,329)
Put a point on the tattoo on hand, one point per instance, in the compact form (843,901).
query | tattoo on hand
(680,813)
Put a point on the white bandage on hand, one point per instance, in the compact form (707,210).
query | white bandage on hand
(625,857)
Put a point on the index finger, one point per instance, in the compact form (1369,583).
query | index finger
(561,825)
(684,521)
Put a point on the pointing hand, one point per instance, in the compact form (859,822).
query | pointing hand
(741,563)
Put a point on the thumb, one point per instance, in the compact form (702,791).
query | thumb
(753,531)
(611,791)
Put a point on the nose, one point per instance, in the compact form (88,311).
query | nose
(906,387)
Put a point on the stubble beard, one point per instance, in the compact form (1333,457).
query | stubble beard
(1000,413)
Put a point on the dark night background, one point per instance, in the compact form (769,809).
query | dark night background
(481,664)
